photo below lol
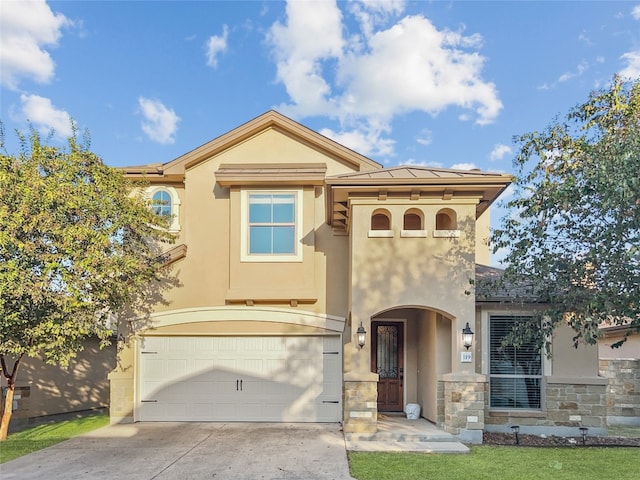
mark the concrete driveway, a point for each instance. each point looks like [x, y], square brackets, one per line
[163, 451]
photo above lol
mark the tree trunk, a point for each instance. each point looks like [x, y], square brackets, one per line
[6, 414]
[8, 399]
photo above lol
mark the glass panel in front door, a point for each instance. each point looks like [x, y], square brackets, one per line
[387, 353]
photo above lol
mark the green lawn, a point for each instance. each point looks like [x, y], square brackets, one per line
[36, 438]
[504, 463]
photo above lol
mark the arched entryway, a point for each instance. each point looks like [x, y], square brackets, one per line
[411, 348]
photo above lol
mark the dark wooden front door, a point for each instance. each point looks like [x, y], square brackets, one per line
[387, 361]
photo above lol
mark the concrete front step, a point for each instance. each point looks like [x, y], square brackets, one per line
[430, 437]
[405, 446]
[395, 433]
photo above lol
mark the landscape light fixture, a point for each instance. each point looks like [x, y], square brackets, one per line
[467, 336]
[516, 430]
[362, 334]
[583, 432]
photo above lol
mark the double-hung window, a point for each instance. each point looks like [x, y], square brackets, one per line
[272, 223]
[515, 377]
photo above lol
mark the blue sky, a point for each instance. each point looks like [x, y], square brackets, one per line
[429, 83]
[444, 84]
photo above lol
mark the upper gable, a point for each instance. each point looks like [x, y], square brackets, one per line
[274, 147]
[269, 138]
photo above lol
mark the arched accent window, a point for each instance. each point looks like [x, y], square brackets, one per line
[446, 219]
[165, 201]
[381, 224]
[413, 224]
[446, 224]
[161, 203]
[412, 220]
[380, 220]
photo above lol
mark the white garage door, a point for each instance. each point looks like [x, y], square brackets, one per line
[263, 379]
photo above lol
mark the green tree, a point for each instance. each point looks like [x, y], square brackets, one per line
[573, 236]
[78, 245]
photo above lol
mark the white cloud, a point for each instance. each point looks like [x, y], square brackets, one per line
[425, 138]
[216, 45]
[585, 39]
[160, 123]
[632, 70]
[632, 59]
[41, 113]
[313, 33]
[371, 13]
[423, 163]
[580, 69]
[464, 166]
[364, 140]
[26, 29]
[367, 77]
[499, 152]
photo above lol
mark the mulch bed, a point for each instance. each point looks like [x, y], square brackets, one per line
[491, 438]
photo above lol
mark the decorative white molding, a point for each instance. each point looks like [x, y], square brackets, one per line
[380, 234]
[232, 313]
[446, 233]
[413, 233]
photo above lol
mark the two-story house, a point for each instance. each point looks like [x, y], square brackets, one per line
[317, 286]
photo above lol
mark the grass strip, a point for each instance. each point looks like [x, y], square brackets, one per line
[505, 463]
[43, 436]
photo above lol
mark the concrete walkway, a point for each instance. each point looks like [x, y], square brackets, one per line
[184, 451]
[396, 433]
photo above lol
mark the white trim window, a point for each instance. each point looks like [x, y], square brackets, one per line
[161, 203]
[515, 373]
[165, 201]
[272, 225]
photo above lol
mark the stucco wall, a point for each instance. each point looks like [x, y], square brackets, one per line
[50, 389]
[429, 272]
[629, 349]
[569, 361]
[212, 273]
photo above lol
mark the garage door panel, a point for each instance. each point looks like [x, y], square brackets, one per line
[274, 379]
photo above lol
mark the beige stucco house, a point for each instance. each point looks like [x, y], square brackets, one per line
[287, 246]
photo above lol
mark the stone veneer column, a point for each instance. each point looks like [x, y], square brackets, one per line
[464, 405]
[360, 403]
[623, 391]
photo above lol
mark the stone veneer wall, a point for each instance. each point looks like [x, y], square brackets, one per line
[623, 392]
[440, 405]
[360, 406]
[567, 407]
[464, 407]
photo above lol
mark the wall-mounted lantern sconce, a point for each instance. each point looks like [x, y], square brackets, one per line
[467, 336]
[362, 334]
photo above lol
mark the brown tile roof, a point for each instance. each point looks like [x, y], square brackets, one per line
[490, 287]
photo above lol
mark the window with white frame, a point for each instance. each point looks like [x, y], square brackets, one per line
[161, 202]
[165, 201]
[515, 373]
[272, 226]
